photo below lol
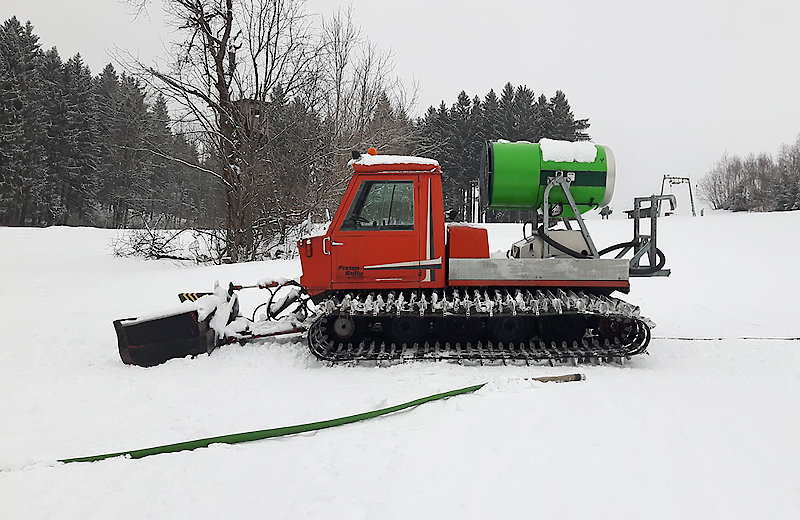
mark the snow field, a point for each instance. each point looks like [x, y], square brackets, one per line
[694, 430]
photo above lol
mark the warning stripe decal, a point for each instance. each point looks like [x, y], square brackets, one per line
[191, 296]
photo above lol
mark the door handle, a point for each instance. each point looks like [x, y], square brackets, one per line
[327, 240]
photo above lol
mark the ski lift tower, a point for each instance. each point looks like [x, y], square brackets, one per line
[679, 180]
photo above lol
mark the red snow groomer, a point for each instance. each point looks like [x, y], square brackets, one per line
[391, 281]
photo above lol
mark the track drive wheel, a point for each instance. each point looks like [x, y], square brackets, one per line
[343, 327]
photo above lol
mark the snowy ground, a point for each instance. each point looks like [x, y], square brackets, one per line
[695, 430]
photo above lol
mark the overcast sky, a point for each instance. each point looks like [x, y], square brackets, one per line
[670, 86]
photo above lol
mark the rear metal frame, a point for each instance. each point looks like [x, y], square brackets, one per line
[645, 244]
[642, 243]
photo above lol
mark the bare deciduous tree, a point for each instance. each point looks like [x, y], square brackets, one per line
[232, 56]
[363, 105]
[755, 183]
[279, 102]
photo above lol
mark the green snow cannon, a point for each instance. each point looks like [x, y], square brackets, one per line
[517, 174]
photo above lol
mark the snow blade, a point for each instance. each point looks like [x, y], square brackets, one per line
[150, 342]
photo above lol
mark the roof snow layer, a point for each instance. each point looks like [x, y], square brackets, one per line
[370, 160]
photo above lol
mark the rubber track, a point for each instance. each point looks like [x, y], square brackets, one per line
[496, 325]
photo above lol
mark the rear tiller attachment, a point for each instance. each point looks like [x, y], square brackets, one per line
[205, 321]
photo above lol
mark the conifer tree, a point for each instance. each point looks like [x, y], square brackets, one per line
[563, 120]
[507, 126]
[57, 145]
[459, 167]
[22, 132]
[107, 100]
[125, 158]
[163, 181]
[543, 114]
[78, 187]
[490, 124]
[528, 128]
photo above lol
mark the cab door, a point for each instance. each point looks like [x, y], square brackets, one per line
[377, 243]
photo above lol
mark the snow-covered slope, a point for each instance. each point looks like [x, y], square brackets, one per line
[695, 430]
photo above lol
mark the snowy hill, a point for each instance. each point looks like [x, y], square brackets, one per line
[697, 429]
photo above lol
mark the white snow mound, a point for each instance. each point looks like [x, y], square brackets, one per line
[567, 151]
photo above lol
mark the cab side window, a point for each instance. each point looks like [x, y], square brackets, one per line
[381, 205]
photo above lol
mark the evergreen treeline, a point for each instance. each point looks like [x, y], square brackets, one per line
[78, 149]
[456, 135]
[755, 183]
[82, 150]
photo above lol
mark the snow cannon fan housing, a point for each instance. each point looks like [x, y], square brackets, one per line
[517, 173]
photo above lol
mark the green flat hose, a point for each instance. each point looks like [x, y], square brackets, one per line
[256, 435]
